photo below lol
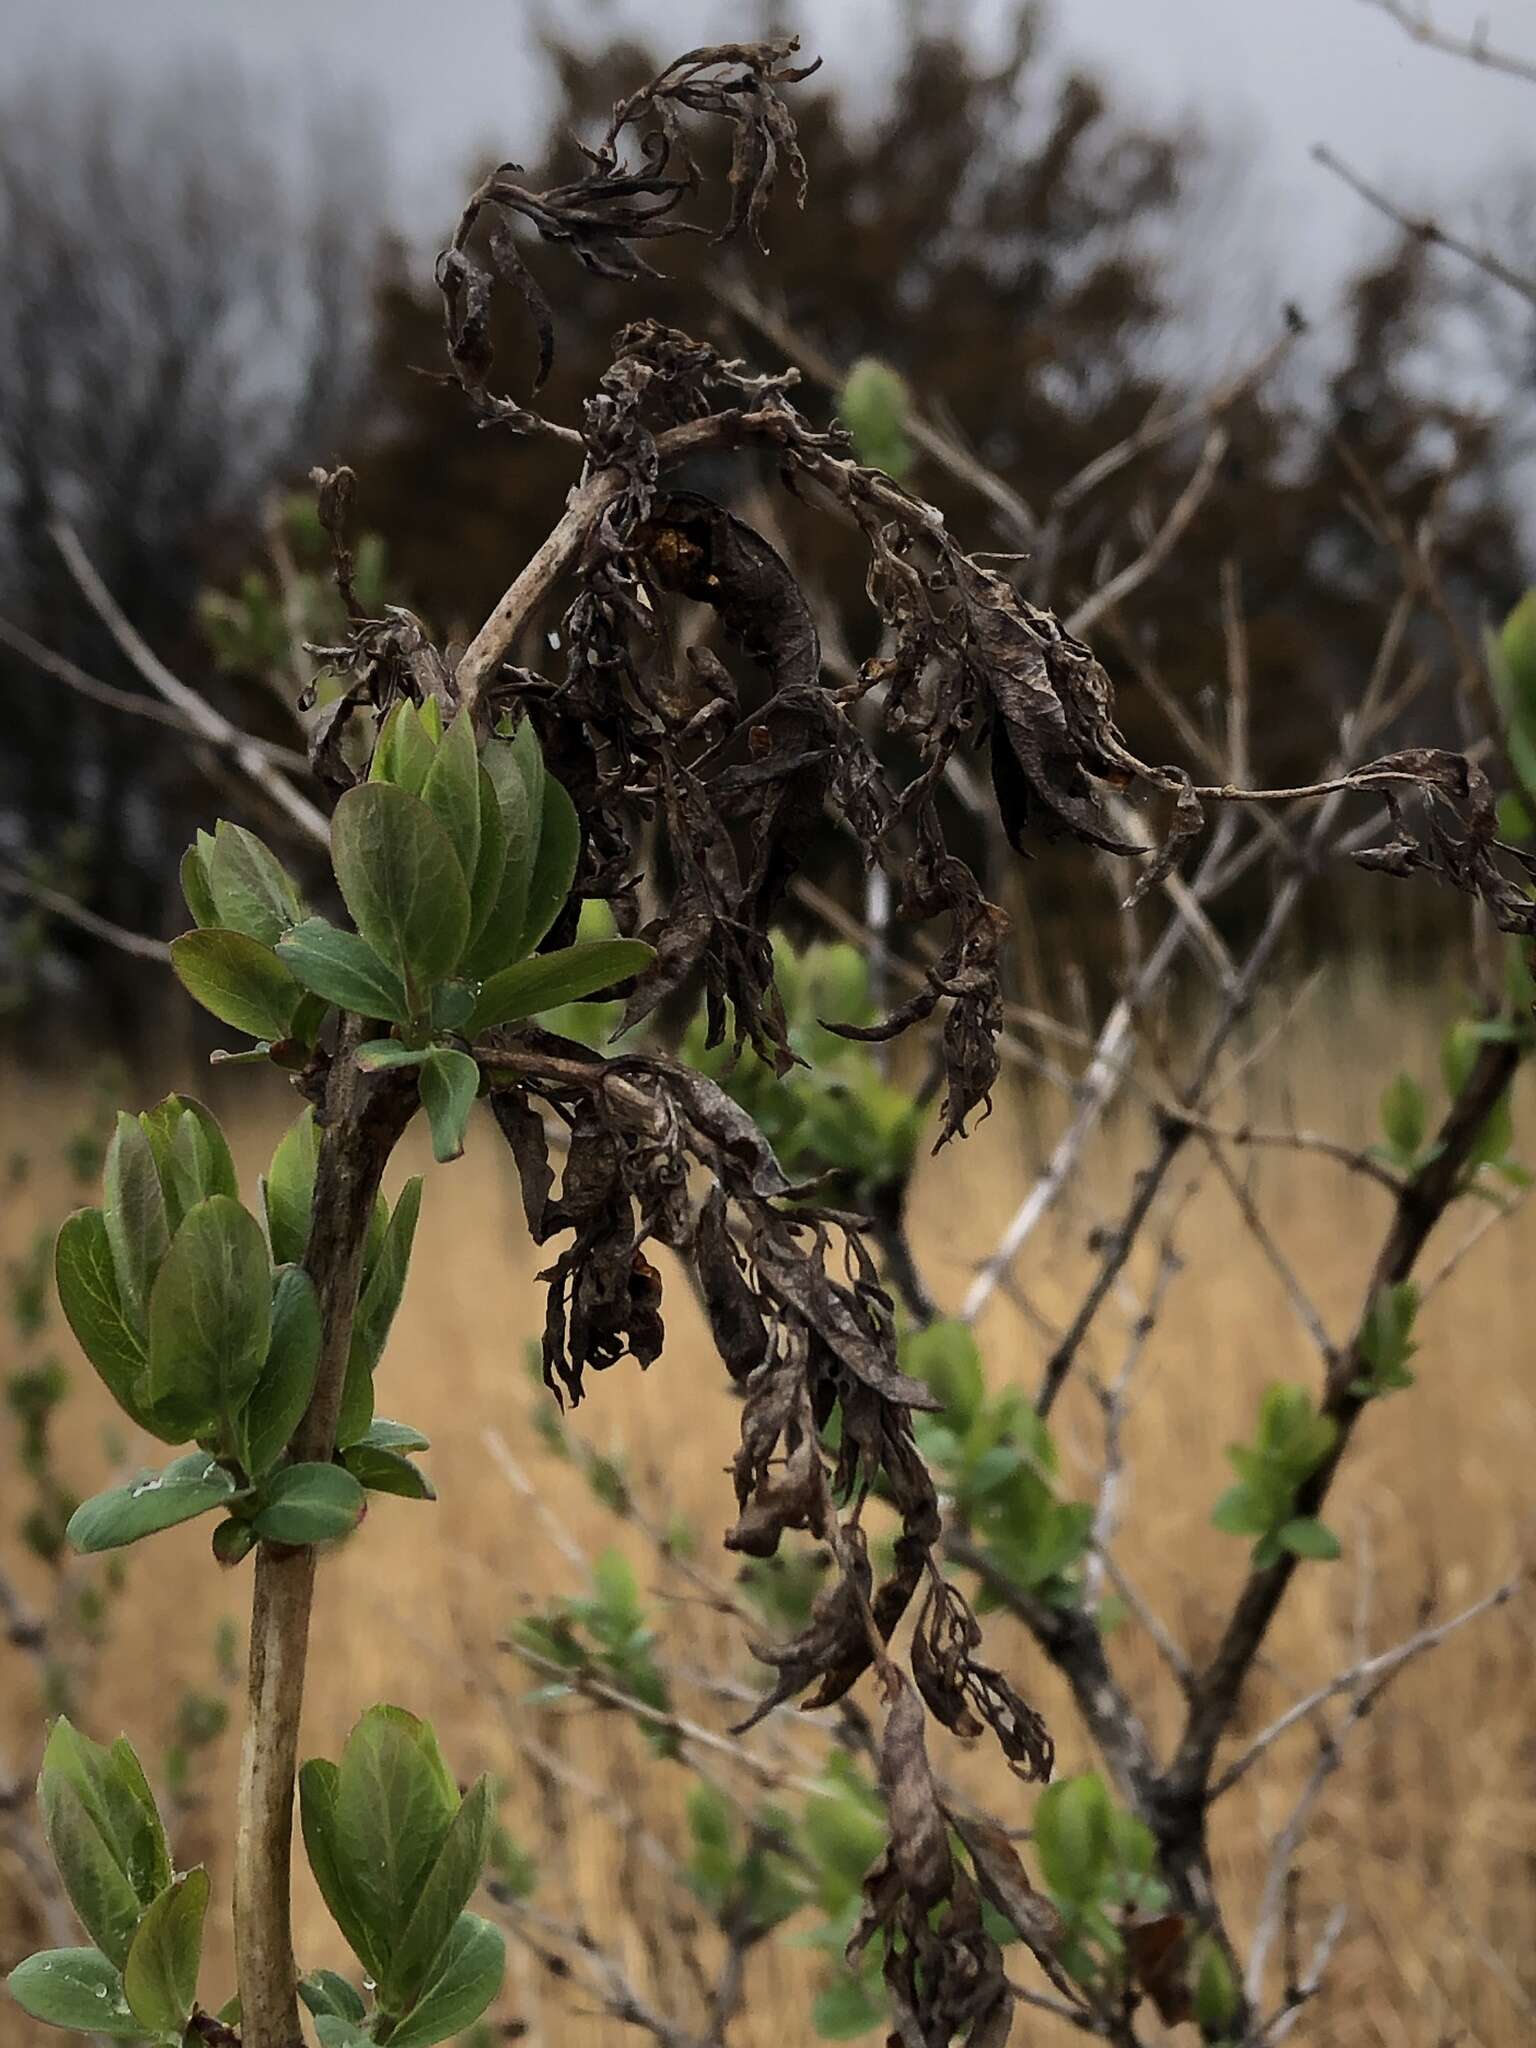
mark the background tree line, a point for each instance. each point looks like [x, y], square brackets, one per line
[177, 344]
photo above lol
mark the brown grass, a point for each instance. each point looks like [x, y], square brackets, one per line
[1429, 1831]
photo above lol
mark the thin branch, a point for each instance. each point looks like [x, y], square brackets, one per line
[138, 944]
[1472, 49]
[1365, 1673]
[1421, 1202]
[1163, 542]
[210, 724]
[1426, 229]
[136, 705]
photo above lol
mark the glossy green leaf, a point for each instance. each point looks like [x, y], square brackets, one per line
[86, 1276]
[241, 981]
[281, 1395]
[188, 1487]
[160, 1975]
[308, 1504]
[450, 1082]
[529, 986]
[466, 1977]
[376, 1312]
[76, 1988]
[210, 1316]
[319, 1787]
[400, 879]
[196, 889]
[252, 891]
[451, 793]
[134, 1205]
[445, 1891]
[344, 969]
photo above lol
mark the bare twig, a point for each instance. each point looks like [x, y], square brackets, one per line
[136, 705]
[210, 724]
[1427, 229]
[1365, 1672]
[1472, 49]
[138, 944]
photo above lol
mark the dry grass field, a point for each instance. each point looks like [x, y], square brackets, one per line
[1428, 1831]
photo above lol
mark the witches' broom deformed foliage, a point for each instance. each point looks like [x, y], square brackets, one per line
[478, 807]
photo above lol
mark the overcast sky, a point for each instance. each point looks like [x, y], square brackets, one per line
[1271, 77]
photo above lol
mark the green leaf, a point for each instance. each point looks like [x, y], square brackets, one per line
[404, 750]
[1239, 1512]
[873, 405]
[401, 880]
[387, 1472]
[251, 891]
[196, 1162]
[332, 2031]
[1216, 1993]
[281, 1395]
[1306, 1537]
[945, 1356]
[529, 986]
[239, 980]
[376, 1312]
[100, 1823]
[554, 862]
[466, 1977]
[395, 1804]
[233, 1541]
[501, 899]
[384, 1435]
[1073, 1836]
[323, 1991]
[86, 1275]
[76, 1988]
[196, 888]
[846, 2009]
[491, 859]
[319, 1787]
[308, 1504]
[134, 1206]
[160, 1975]
[93, 1876]
[1404, 1116]
[210, 1316]
[451, 793]
[344, 969]
[450, 1082]
[288, 1192]
[445, 1892]
[188, 1487]
[378, 1054]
